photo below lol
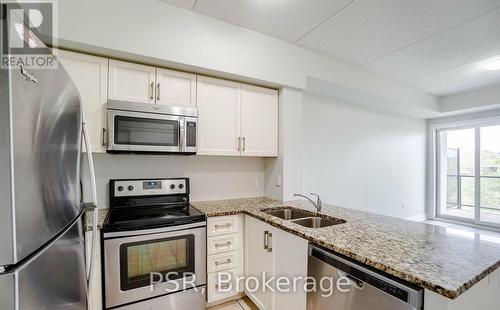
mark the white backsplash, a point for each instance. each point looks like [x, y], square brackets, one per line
[212, 177]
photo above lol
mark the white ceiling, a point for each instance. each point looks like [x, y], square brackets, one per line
[435, 45]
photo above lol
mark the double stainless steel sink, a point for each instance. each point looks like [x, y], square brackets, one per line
[304, 218]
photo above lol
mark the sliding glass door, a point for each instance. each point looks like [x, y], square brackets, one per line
[468, 174]
[489, 180]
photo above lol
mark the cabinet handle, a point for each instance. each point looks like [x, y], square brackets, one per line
[266, 240]
[227, 261]
[104, 140]
[228, 225]
[223, 244]
[152, 90]
[270, 242]
[158, 92]
[223, 286]
[239, 144]
[244, 144]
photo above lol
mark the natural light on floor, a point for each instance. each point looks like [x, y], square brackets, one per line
[467, 192]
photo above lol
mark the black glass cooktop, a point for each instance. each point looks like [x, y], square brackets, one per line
[146, 217]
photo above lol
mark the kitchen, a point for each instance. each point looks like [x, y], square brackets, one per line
[208, 119]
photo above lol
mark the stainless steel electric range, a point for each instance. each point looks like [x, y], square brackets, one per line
[154, 246]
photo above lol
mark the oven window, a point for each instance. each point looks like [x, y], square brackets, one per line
[139, 259]
[146, 131]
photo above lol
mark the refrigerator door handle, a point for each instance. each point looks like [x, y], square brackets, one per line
[93, 191]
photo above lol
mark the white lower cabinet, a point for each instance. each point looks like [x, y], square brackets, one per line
[258, 260]
[216, 292]
[225, 256]
[278, 254]
[95, 293]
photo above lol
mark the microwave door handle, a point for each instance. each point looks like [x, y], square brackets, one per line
[182, 133]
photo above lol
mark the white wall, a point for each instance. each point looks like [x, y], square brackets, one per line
[212, 177]
[364, 159]
[288, 166]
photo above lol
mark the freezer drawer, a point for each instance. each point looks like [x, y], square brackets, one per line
[365, 289]
[53, 280]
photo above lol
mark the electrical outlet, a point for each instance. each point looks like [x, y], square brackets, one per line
[255, 183]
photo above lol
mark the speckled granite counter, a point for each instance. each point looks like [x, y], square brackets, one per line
[89, 217]
[426, 255]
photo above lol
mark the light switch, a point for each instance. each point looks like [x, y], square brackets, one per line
[278, 180]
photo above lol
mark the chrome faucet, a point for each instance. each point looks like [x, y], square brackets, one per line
[318, 204]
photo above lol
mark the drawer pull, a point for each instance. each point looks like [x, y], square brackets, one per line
[270, 242]
[223, 286]
[226, 262]
[223, 244]
[228, 225]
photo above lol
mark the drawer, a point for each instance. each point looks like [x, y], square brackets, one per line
[222, 225]
[223, 243]
[222, 261]
[215, 292]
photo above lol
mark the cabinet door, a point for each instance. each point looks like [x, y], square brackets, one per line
[90, 75]
[259, 121]
[257, 260]
[290, 260]
[131, 82]
[175, 88]
[218, 116]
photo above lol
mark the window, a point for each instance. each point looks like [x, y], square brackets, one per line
[468, 174]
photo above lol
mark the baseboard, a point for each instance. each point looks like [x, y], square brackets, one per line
[417, 218]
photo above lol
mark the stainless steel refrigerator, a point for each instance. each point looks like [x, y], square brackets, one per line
[42, 253]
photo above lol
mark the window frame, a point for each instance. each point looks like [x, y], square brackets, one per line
[434, 170]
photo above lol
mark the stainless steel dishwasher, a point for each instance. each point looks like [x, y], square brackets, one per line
[361, 288]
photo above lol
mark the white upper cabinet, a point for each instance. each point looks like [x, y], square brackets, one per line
[219, 104]
[90, 75]
[236, 119]
[175, 88]
[131, 82]
[259, 121]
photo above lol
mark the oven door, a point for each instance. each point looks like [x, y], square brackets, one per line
[134, 260]
[144, 132]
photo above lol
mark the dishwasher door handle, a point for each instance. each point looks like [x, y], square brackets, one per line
[359, 284]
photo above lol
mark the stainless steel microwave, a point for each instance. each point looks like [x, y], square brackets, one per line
[151, 128]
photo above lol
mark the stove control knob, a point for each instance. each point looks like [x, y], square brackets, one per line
[120, 188]
[172, 186]
[130, 188]
[181, 186]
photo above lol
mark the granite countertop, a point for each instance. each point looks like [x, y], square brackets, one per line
[89, 217]
[433, 257]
